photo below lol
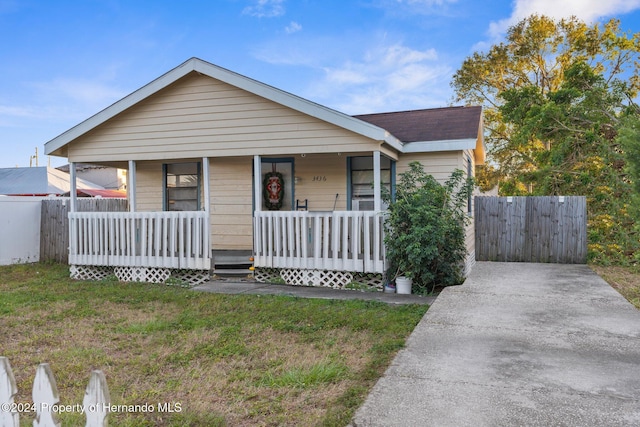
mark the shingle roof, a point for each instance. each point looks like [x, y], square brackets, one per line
[437, 124]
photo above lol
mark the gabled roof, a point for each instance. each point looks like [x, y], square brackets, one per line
[39, 181]
[268, 92]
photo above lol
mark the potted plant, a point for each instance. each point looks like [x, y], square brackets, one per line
[424, 229]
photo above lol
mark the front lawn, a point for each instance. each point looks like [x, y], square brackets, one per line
[227, 360]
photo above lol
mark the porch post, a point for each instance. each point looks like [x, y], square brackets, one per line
[377, 195]
[257, 184]
[131, 185]
[205, 178]
[72, 189]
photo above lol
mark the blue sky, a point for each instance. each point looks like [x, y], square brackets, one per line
[63, 61]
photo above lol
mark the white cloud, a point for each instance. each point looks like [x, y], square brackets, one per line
[15, 111]
[395, 55]
[293, 27]
[387, 78]
[86, 92]
[265, 8]
[586, 10]
[60, 100]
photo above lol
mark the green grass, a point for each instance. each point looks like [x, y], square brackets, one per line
[308, 376]
[624, 279]
[228, 360]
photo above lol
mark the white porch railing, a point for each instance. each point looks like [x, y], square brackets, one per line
[341, 241]
[140, 239]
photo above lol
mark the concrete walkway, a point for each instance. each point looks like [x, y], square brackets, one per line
[234, 287]
[516, 345]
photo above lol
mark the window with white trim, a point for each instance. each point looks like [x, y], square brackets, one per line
[182, 186]
[362, 181]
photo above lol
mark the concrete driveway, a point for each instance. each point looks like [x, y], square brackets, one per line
[516, 345]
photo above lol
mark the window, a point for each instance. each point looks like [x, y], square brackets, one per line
[182, 186]
[361, 180]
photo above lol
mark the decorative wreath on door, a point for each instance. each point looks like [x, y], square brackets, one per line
[273, 189]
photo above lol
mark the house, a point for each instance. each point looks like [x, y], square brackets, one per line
[218, 162]
[105, 176]
[39, 181]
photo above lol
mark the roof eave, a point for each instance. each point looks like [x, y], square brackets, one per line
[442, 145]
[393, 142]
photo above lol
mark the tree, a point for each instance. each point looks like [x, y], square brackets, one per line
[629, 138]
[573, 138]
[557, 96]
[536, 54]
[425, 228]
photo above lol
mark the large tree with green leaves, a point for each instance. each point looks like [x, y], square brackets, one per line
[574, 134]
[629, 139]
[537, 52]
[558, 97]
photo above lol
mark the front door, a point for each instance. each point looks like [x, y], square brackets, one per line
[277, 186]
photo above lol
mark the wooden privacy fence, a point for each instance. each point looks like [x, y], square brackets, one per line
[531, 229]
[54, 223]
[45, 406]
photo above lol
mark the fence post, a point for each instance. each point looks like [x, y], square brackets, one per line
[96, 400]
[8, 390]
[45, 396]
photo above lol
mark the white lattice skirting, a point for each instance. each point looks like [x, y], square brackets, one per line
[326, 278]
[139, 274]
[90, 272]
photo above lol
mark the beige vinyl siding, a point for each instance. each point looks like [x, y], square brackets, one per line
[438, 164]
[198, 116]
[231, 185]
[330, 173]
[149, 191]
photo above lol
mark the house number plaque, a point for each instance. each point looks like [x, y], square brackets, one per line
[319, 178]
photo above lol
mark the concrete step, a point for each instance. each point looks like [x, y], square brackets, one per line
[229, 257]
[231, 272]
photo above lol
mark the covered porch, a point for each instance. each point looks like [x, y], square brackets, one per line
[139, 246]
[318, 244]
[156, 245]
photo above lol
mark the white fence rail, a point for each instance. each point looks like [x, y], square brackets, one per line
[341, 240]
[45, 404]
[140, 239]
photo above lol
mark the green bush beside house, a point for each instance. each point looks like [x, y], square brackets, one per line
[425, 228]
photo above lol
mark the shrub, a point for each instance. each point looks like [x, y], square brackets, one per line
[425, 228]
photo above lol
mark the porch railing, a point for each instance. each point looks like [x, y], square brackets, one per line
[342, 240]
[140, 239]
